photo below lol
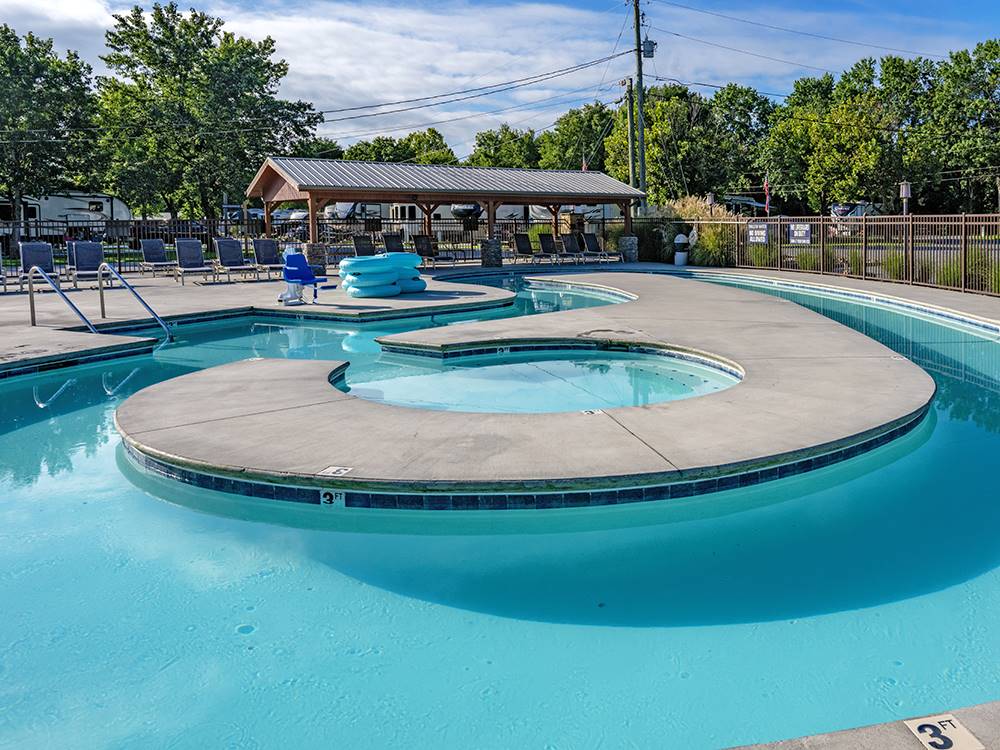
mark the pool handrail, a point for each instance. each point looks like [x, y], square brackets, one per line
[130, 288]
[62, 295]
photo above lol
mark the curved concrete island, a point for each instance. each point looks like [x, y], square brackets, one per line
[813, 392]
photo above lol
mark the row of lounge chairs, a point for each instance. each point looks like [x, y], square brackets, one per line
[570, 248]
[84, 260]
[229, 259]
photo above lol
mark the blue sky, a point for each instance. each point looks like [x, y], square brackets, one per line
[345, 53]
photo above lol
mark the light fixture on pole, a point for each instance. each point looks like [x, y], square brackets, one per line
[710, 200]
[905, 193]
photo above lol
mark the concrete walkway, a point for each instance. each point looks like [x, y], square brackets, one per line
[811, 386]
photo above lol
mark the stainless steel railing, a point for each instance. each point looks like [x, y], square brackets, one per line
[62, 295]
[100, 288]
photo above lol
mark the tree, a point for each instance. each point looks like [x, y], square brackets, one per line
[576, 139]
[382, 148]
[505, 147]
[45, 112]
[420, 147]
[191, 110]
[318, 147]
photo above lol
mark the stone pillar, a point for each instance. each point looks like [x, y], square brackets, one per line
[316, 256]
[491, 252]
[628, 246]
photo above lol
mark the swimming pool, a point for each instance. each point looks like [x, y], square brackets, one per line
[857, 593]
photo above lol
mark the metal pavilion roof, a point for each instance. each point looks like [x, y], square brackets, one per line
[329, 175]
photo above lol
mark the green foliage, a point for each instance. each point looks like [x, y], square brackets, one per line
[45, 107]
[855, 262]
[807, 260]
[420, 147]
[949, 274]
[318, 147]
[505, 147]
[923, 272]
[982, 271]
[656, 240]
[694, 145]
[176, 108]
[763, 256]
[894, 265]
[715, 246]
[577, 137]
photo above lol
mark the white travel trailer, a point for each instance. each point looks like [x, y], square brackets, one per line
[72, 206]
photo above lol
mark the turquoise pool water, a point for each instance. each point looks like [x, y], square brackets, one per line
[555, 381]
[863, 592]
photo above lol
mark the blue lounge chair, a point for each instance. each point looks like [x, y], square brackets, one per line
[36, 254]
[85, 258]
[191, 259]
[154, 257]
[230, 259]
[265, 253]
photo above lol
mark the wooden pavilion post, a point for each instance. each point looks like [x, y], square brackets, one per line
[554, 210]
[491, 219]
[313, 207]
[267, 218]
[428, 210]
[627, 213]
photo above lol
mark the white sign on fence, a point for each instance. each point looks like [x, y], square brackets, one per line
[757, 233]
[800, 234]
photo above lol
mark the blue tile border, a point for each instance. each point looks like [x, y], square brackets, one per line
[445, 501]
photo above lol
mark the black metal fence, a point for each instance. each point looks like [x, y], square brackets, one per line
[959, 252]
[455, 237]
[954, 252]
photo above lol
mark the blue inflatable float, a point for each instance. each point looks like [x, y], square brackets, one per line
[384, 275]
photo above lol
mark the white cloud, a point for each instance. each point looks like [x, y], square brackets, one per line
[344, 54]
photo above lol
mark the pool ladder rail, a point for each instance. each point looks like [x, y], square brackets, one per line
[100, 288]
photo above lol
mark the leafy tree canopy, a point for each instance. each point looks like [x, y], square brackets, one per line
[576, 139]
[191, 110]
[505, 147]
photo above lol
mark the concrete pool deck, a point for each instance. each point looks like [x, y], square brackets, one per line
[811, 388]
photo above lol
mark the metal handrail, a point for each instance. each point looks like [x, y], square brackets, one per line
[100, 288]
[55, 287]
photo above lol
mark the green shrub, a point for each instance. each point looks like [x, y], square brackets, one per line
[855, 262]
[763, 256]
[923, 272]
[806, 260]
[656, 239]
[894, 265]
[982, 271]
[949, 274]
[715, 247]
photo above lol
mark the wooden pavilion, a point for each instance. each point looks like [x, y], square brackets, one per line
[322, 181]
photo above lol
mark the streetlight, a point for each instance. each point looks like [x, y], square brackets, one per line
[904, 193]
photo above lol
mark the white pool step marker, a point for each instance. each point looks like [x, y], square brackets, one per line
[943, 732]
[336, 471]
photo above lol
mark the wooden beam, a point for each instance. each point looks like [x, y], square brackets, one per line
[428, 210]
[627, 213]
[554, 210]
[267, 218]
[491, 218]
[313, 207]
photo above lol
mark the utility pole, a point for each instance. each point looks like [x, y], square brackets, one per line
[629, 95]
[640, 100]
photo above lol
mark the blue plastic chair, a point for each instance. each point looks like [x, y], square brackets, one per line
[298, 271]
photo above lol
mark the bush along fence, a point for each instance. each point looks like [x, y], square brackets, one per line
[954, 252]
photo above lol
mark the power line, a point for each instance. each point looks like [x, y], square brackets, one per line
[712, 85]
[763, 25]
[744, 51]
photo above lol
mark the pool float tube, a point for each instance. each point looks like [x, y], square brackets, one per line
[412, 286]
[385, 290]
[366, 279]
[404, 260]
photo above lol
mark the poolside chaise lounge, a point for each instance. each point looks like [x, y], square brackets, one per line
[594, 249]
[191, 259]
[265, 253]
[523, 248]
[230, 260]
[154, 257]
[549, 248]
[363, 245]
[85, 258]
[424, 245]
[36, 254]
[571, 248]
[393, 242]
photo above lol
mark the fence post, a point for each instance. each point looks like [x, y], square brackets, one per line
[908, 246]
[964, 242]
[822, 244]
[864, 246]
[781, 248]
